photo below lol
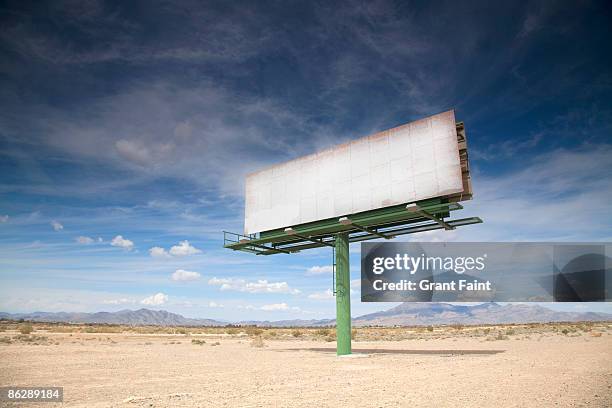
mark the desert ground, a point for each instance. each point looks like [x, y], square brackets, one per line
[533, 365]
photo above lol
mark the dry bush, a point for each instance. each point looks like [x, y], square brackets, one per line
[257, 342]
[5, 340]
[501, 336]
[231, 331]
[198, 342]
[269, 334]
[430, 328]
[253, 331]
[322, 332]
[297, 333]
[26, 328]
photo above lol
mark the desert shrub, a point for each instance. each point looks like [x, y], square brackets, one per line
[257, 342]
[353, 334]
[429, 328]
[331, 336]
[26, 328]
[564, 331]
[457, 326]
[297, 333]
[501, 336]
[322, 332]
[216, 343]
[232, 330]
[199, 342]
[268, 334]
[5, 340]
[254, 331]
[510, 332]
[487, 330]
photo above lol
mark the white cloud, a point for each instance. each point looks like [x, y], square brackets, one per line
[84, 240]
[325, 295]
[4, 218]
[184, 249]
[319, 270]
[215, 304]
[260, 286]
[121, 242]
[133, 151]
[155, 300]
[121, 301]
[275, 307]
[158, 252]
[183, 275]
[143, 153]
[57, 226]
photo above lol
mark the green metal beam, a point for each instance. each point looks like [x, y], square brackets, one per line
[343, 296]
[315, 240]
[367, 219]
[389, 232]
[414, 208]
[371, 231]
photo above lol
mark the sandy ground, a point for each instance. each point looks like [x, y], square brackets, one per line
[124, 370]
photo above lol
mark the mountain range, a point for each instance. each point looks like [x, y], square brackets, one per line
[405, 314]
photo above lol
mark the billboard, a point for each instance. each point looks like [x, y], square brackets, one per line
[412, 162]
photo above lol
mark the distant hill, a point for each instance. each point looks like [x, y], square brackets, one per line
[405, 314]
[140, 317]
[416, 314]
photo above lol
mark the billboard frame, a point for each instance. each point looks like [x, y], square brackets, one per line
[338, 232]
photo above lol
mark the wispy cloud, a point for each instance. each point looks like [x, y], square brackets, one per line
[181, 275]
[158, 252]
[259, 286]
[121, 301]
[325, 295]
[84, 240]
[278, 307]
[319, 270]
[56, 226]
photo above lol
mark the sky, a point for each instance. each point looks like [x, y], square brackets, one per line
[127, 129]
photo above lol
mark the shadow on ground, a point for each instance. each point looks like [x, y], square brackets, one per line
[396, 351]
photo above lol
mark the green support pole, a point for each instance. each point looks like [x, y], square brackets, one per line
[343, 296]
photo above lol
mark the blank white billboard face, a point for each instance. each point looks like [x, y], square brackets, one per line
[408, 163]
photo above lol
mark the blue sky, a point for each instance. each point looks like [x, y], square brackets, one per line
[127, 126]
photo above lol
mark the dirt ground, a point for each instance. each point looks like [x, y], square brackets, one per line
[157, 370]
